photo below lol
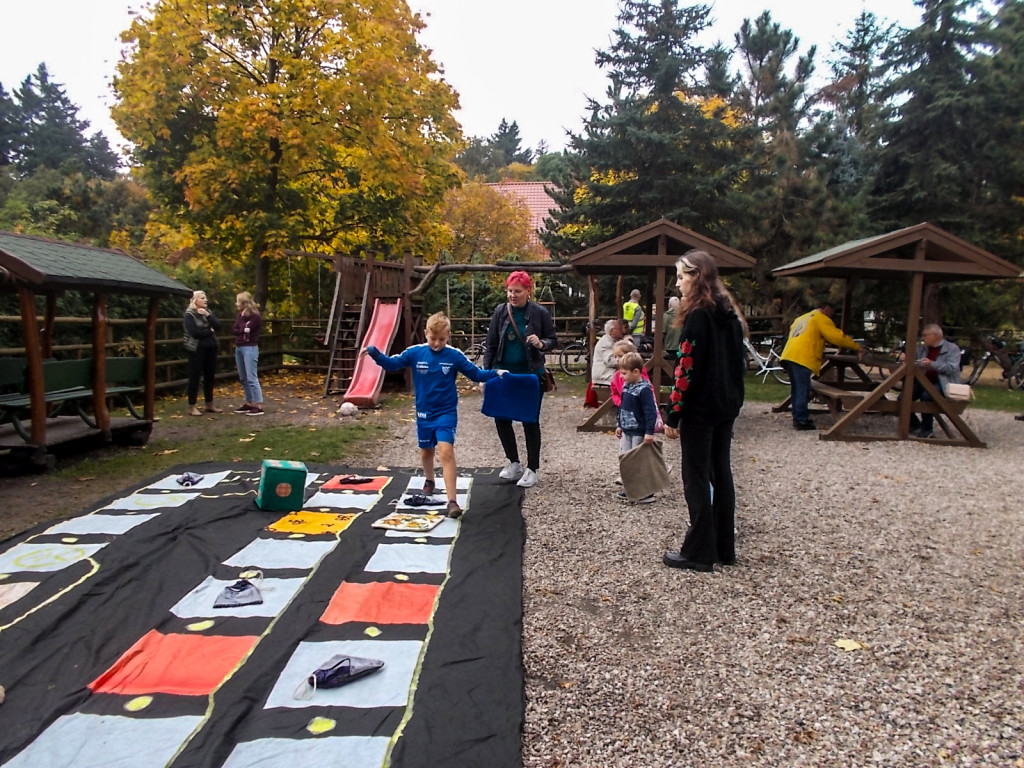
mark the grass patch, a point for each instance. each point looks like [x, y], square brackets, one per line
[236, 444]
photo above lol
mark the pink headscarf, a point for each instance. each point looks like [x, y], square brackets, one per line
[520, 277]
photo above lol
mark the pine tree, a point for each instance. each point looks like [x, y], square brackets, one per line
[659, 147]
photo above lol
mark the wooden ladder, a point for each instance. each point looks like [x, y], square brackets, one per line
[343, 334]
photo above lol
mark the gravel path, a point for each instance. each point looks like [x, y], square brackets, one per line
[913, 553]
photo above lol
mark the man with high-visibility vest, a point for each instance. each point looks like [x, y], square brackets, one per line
[633, 314]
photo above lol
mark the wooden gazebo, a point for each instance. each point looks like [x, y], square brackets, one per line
[918, 255]
[651, 252]
[33, 267]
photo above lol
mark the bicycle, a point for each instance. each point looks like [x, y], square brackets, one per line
[474, 352]
[770, 363]
[1012, 363]
[574, 359]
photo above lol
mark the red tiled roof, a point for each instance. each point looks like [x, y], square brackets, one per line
[533, 196]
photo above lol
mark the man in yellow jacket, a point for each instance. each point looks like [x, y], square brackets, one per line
[802, 356]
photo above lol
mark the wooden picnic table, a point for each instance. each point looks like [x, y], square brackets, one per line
[849, 391]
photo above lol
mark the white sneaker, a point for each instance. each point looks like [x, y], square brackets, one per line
[513, 471]
[528, 480]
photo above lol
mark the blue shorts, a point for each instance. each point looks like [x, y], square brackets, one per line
[430, 432]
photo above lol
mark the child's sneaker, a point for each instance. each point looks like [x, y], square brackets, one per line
[621, 495]
[428, 487]
[454, 510]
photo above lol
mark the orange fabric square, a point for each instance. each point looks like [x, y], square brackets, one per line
[312, 523]
[376, 485]
[187, 665]
[381, 603]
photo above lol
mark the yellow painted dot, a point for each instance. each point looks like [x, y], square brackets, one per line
[372, 632]
[420, 540]
[199, 626]
[250, 574]
[4, 576]
[69, 539]
[401, 577]
[138, 703]
[320, 725]
[297, 536]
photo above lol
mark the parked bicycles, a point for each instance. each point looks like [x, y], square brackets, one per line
[768, 363]
[475, 352]
[1012, 362]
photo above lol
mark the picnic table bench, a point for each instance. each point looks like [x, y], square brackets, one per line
[67, 381]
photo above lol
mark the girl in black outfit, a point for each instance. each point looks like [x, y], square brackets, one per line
[520, 349]
[201, 346]
[706, 397]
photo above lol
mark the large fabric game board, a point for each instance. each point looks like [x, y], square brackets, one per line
[113, 654]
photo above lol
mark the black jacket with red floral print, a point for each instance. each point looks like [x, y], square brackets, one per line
[708, 385]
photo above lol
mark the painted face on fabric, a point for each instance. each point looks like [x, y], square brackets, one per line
[517, 295]
[437, 340]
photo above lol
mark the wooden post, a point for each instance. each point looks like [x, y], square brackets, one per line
[34, 366]
[51, 314]
[149, 367]
[99, 367]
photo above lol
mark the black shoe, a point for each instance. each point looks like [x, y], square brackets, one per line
[1019, 417]
[676, 560]
[923, 433]
[803, 425]
[731, 561]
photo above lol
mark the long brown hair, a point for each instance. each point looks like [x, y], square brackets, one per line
[707, 291]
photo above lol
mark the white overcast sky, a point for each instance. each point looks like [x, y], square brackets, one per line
[531, 61]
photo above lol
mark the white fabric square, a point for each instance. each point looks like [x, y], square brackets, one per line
[277, 594]
[387, 688]
[324, 751]
[106, 741]
[461, 483]
[152, 501]
[88, 524]
[45, 557]
[11, 592]
[410, 558]
[170, 483]
[281, 553]
[341, 500]
[446, 529]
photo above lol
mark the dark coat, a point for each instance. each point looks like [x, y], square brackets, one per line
[538, 321]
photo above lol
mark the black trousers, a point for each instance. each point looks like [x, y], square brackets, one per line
[507, 436]
[201, 363]
[707, 463]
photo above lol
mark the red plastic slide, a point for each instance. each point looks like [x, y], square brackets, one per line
[368, 377]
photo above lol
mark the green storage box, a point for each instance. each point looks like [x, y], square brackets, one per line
[282, 485]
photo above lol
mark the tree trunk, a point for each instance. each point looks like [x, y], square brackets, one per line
[262, 282]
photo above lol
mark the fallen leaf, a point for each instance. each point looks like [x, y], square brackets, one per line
[314, 453]
[849, 645]
[246, 439]
[166, 452]
[382, 468]
[566, 684]
[85, 479]
[268, 448]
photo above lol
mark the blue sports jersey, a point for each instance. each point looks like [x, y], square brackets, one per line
[433, 376]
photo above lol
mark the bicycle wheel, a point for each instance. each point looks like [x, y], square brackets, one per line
[475, 352]
[573, 359]
[1016, 377]
[976, 368]
[778, 371]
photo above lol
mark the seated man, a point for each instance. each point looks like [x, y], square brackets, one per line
[605, 363]
[940, 360]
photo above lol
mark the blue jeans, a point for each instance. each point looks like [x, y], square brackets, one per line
[247, 360]
[799, 390]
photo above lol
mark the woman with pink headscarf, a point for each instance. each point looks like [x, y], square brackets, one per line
[520, 335]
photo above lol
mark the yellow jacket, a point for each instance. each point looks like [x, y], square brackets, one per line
[807, 337]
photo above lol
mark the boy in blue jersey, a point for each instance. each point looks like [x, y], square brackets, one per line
[435, 366]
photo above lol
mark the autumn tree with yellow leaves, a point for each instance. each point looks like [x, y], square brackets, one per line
[267, 125]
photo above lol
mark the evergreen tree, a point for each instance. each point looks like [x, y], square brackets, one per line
[935, 129]
[507, 145]
[659, 147]
[51, 135]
